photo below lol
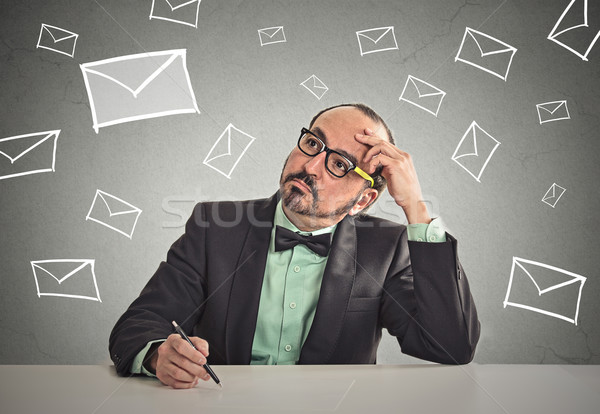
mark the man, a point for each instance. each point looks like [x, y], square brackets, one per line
[240, 281]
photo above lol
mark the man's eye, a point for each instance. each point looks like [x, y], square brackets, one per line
[313, 143]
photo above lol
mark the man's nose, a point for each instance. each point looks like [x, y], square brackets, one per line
[316, 165]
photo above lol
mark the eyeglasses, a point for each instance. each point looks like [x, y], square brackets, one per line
[335, 163]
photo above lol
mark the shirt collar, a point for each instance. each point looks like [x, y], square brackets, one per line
[281, 219]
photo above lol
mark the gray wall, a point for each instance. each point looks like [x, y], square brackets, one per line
[157, 164]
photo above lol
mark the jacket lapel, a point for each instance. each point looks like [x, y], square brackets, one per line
[247, 282]
[336, 288]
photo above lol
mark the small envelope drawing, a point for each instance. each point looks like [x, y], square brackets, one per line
[315, 86]
[486, 53]
[57, 40]
[553, 194]
[422, 95]
[270, 35]
[577, 38]
[544, 289]
[177, 11]
[70, 278]
[141, 86]
[228, 150]
[552, 111]
[475, 150]
[28, 154]
[114, 213]
[378, 39]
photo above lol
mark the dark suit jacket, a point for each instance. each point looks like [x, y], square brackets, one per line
[374, 278]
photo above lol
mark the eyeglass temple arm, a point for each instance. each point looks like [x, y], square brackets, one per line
[365, 176]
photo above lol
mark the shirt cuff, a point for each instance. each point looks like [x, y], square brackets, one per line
[434, 232]
[137, 366]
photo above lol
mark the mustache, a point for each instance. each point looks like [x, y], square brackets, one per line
[302, 176]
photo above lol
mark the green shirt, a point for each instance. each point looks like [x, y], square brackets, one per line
[290, 293]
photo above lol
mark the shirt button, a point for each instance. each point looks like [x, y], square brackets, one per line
[293, 305]
[288, 348]
[432, 238]
[419, 239]
[296, 269]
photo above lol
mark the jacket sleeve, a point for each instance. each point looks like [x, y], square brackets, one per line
[176, 292]
[428, 304]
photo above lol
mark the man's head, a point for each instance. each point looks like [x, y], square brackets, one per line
[312, 195]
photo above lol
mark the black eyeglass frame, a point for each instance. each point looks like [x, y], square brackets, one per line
[329, 151]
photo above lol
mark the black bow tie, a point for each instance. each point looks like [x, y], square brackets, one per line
[286, 239]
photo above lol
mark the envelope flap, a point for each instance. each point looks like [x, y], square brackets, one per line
[131, 71]
[57, 33]
[487, 44]
[317, 83]
[60, 270]
[375, 35]
[115, 205]
[271, 31]
[574, 16]
[14, 148]
[176, 4]
[423, 88]
[546, 277]
[552, 106]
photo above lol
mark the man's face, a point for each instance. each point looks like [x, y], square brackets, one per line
[309, 192]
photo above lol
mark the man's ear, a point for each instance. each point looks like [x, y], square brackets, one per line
[368, 197]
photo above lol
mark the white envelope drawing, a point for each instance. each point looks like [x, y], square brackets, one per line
[573, 30]
[270, 35]
[70, 278]
[553, 194]
[545, 289]
[422, 95]
[315, 86]
[177, 11]
[57, 40]
[228, 150]
[475, 150]
[552, 111]
[378, 39]
[486, 53]
[114, 213]
[141, 86]
[28, 154]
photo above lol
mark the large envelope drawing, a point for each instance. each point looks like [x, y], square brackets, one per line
[378, 39]
[28, 154]
[270, 35]
[574, 31]
[545, 289]
[553, 194]
[315, 86]
[552, 111]
[475, 150]
[486, 53]
[58, 40]
[228, 150]
[66, 278]
[141, 86]
[422, 95]
[177, 11]
[114, 213]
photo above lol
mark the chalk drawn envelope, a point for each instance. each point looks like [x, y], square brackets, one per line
[475, 150]
[486, 53]
[270, 35]
[552, 111]
[422, 95]
[141, 86]
[57, 40]
[315, 86]
[28, 154]
[375, 40]
[575, 31]
[228, 150]
[114, 213]
[545, 289]
[66, 278]
[553, 194]
[177, 11]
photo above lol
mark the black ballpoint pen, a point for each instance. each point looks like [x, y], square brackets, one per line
[205, 366]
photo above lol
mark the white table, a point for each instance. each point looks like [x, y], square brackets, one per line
[481, 389]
